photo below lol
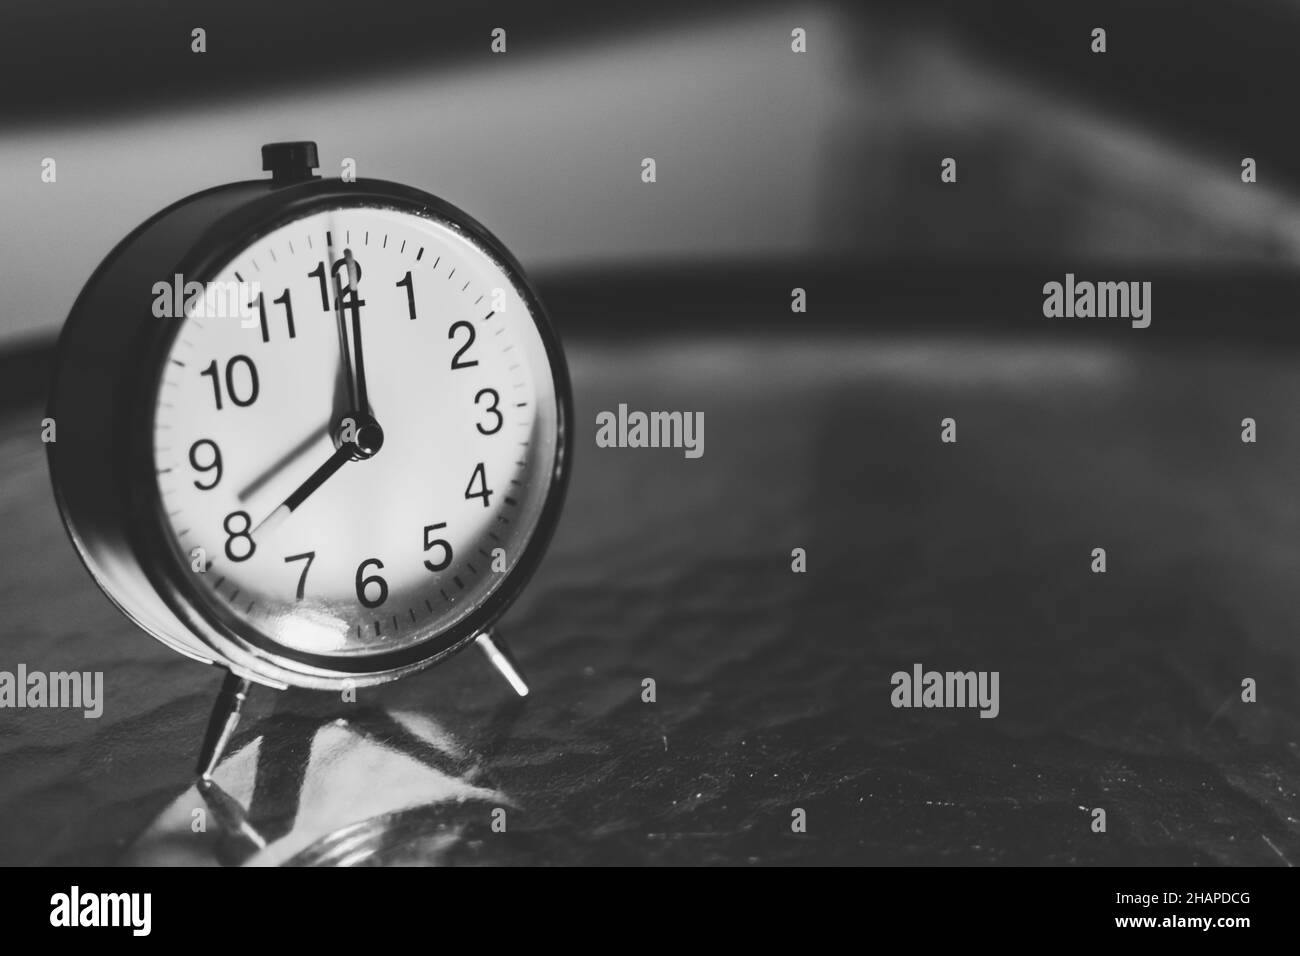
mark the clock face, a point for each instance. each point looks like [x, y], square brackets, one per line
[359, 461]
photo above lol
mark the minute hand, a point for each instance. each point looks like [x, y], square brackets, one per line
[353, 358]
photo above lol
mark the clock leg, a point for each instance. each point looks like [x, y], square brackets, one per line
[222, 723]
[497, 652]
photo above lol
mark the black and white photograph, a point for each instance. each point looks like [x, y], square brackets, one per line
[856, 435]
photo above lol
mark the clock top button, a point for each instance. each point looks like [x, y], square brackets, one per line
[290, 162]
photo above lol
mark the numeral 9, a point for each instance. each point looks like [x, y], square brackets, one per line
[213, 465]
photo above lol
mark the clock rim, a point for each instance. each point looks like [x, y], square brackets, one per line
[232, 637]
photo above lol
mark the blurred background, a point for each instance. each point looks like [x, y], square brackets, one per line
[775, 170]
[768, 160]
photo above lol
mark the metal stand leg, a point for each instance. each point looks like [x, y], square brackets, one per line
[497, 652]
[222, 723]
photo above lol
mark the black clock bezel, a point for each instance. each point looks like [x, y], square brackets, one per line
[212, 250]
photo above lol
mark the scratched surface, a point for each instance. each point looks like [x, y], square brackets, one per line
[1118, 691]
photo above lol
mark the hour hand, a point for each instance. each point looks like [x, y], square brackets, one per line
[359, 438]
[305, 490]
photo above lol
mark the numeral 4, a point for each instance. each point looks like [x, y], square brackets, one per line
[484, 492]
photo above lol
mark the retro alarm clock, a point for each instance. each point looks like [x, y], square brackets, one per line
[344, 479]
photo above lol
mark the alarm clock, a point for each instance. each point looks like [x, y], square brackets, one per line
[314, 432]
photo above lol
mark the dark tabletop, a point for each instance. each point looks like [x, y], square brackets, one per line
[1119, 691]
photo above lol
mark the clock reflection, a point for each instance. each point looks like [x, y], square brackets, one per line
[304, 788]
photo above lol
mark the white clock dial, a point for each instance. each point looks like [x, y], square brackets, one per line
[388, 550]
